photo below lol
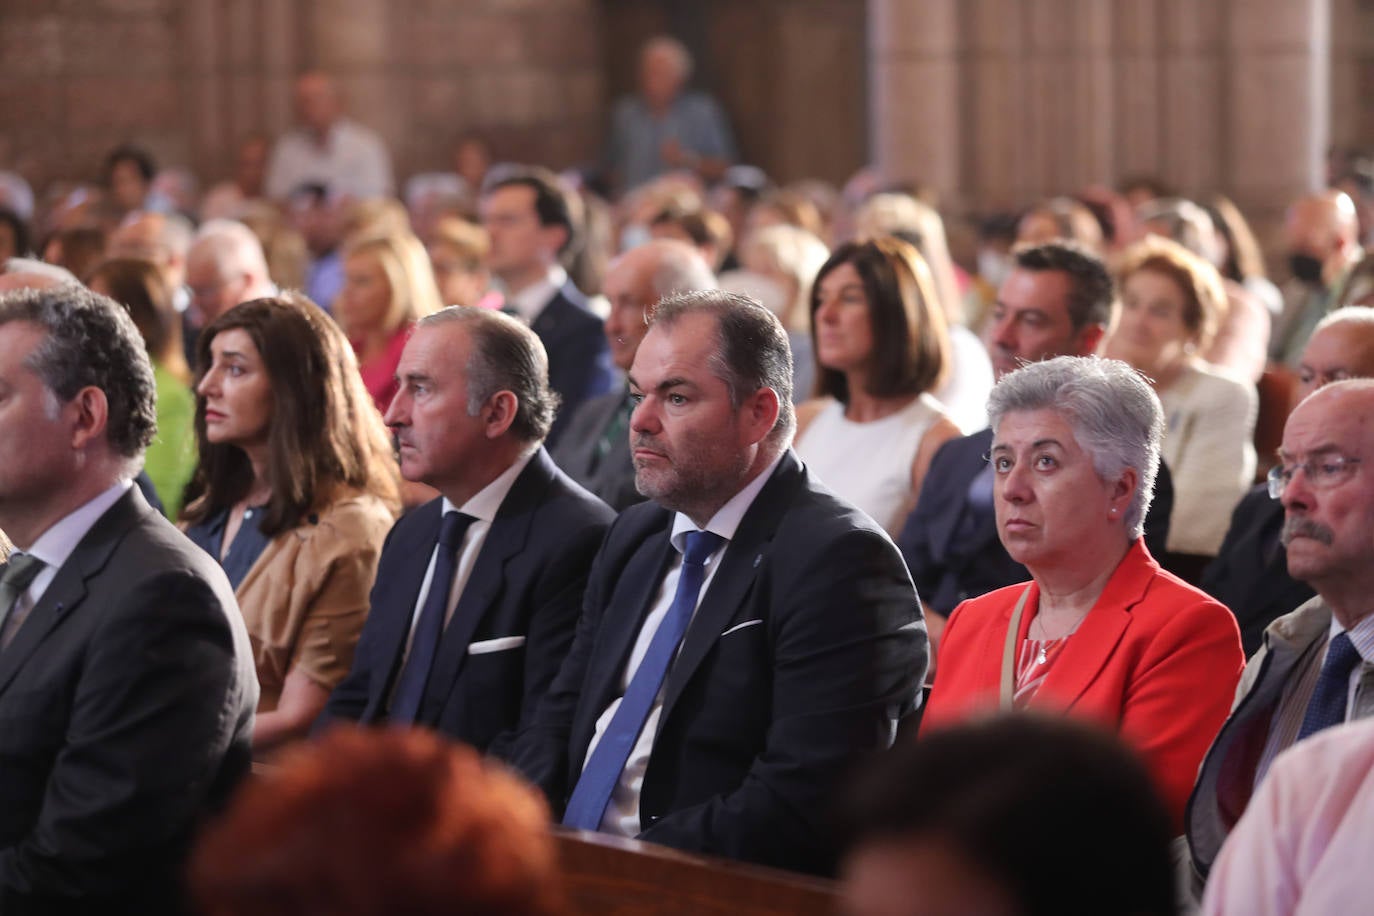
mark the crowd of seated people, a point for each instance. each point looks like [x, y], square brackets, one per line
[859, 485]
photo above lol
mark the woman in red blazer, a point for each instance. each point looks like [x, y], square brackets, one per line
[1101, 632]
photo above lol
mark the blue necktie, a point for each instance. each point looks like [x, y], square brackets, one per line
[1327, 706]
[607, 762]
[410, 688]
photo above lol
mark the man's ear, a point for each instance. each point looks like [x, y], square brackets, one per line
[499, 413]
[759, 414]
[91, 412]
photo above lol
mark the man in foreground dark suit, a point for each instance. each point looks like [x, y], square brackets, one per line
[796, 633]
[1057, 301]
[126, 682]
[477, 592]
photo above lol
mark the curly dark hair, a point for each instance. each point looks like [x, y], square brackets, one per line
[91, 342]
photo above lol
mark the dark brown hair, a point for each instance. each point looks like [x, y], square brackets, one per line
[364, 823]
[325, 432]
[910, 339]
[139, 287]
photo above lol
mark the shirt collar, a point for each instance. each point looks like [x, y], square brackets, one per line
[727, 519]
[484, 504]
[1361, 635]
[530, 301]
[56, 544]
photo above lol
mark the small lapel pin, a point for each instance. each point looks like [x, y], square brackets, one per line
[757, 560]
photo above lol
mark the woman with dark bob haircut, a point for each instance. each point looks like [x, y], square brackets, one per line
[881, 347]
[366, 823]
[298, 489]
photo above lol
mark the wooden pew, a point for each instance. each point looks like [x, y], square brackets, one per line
[611, 876]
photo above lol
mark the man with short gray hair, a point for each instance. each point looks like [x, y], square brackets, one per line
[126, 682]
[477, 592]
[225, 266]
[746, 636]
[595, 447]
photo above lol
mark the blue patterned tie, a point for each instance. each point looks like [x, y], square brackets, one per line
[410, 688]
[594, 788]
[1327, 706]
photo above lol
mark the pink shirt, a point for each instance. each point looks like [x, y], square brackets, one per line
[1303, 845]
[379, 375]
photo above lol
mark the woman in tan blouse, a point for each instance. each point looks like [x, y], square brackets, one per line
[298, 489]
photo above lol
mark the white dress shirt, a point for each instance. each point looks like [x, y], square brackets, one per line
[54, 546]
[622, 812]
[483, 507]
[533, 299]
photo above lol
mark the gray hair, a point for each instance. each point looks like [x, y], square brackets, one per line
[1115, 415]
[1362, 315]
[233, 248]
[506, 356]
[752, 350]
[90, 341]
[679, 268]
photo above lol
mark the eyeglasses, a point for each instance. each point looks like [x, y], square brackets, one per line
[1322, 473]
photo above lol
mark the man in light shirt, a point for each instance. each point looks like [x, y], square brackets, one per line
[327, 148]
[477, 592]
[745, 636]
[126, 681]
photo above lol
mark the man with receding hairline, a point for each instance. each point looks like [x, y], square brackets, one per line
[1315, 667]
[746, 636]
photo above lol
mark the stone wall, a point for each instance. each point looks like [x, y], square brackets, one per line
[191, 78]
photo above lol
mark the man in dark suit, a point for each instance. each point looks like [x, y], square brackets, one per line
[1057, 301]
[126, 682]
[745, 636]
[595, 448]
[1250, 573]
[477, 592]
[530, 220]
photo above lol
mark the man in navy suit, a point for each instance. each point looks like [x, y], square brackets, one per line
[746, 636]
[595, 449]
[477, 592]
[529, 218]
[1057, 301]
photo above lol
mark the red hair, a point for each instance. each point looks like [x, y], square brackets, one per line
[370, 822]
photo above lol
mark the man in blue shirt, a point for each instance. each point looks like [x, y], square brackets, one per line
[664, 127]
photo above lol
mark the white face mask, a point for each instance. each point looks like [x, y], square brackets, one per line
[993, 267]
[633, 235]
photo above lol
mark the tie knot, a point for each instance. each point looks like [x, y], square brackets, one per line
[20, 570]
[454, 526]
[700, 545]
[1341, 655]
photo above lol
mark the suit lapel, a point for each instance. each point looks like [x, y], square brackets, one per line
[1087, 652]
[509, 531]
[68, 589]
[739, 566]
[947, 524]
[626, 609]
[414, 545]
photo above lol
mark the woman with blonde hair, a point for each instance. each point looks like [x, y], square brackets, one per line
[1172, 303]
[388, 286]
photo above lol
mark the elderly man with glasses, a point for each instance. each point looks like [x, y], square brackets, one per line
[1315, 668]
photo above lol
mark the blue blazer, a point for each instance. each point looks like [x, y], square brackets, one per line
[580, 364]
[527, 582]
[805, 650]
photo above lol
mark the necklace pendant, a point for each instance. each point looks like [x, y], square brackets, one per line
[1040, 658]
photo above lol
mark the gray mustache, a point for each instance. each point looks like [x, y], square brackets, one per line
[1306, 528]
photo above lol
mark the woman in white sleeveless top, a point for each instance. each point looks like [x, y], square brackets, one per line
[881, 347]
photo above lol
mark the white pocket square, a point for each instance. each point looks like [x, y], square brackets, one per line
[500, 644]
[743, 626]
